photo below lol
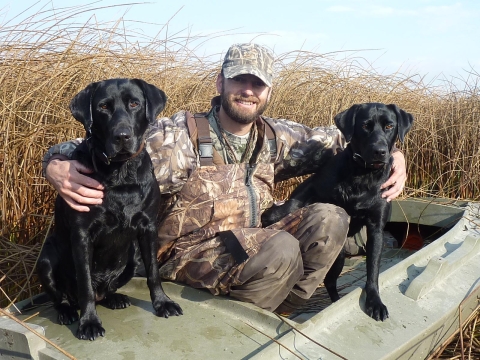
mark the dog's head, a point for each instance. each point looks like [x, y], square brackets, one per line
[372, 129]
[116, 114]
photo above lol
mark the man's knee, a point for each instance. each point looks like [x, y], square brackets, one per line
[268, 277]
[331, 214]
[333, 219]
[283, 252]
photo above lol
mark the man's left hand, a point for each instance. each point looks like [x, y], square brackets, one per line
[398, 176]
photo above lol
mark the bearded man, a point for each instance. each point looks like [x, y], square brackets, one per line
[216, 172]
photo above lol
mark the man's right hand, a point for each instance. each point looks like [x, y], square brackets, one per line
[76, 189]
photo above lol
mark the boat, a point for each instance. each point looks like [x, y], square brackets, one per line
[429, 293]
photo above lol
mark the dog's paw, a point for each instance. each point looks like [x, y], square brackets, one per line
[67, 314]
[376, 310]
[90, 329]
[268, 217]
[116, 301]
[168, 308]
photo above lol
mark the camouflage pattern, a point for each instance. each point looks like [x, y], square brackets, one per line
[240, 147]
[249, 59]
[239, 144]
[212, 199]
[65, 149]
[300, 149]
[294, 261]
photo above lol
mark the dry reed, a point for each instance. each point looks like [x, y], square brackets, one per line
[47, 58]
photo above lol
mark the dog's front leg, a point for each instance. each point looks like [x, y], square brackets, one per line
[164, 307]
[277, 212]
[373, 304]
[302, 196]
[90, 325]
[47, 265]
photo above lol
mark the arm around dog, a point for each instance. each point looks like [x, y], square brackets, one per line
[303, 150]
[67, 177]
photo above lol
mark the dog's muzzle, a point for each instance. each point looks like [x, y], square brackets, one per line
[107, 160]
[372, 165]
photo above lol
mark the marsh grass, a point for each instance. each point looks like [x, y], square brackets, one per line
[47, 58]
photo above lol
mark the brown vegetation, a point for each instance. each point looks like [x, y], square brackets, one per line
[44, 62]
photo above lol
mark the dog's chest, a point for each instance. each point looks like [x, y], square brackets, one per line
[122, 206]
[358, 195]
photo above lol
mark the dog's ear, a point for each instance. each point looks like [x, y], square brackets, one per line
[81, 106]
[154, 97]
[345, 121]
[404, 120]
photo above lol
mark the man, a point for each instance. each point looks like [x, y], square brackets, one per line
[216, 172]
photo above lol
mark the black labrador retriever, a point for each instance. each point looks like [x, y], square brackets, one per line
[351, 179]
[92, 254]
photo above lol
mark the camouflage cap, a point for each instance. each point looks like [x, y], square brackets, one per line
[249, 59]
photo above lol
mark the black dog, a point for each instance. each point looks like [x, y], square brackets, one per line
[351, 179]
[91, 254]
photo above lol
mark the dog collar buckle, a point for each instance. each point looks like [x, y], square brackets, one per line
[359, 160]
[104, 158]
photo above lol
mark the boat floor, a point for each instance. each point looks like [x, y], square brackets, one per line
[214, 327]
[353, 276]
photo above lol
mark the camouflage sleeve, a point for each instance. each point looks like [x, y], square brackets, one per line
[65, 148]
[304, 150]
[172, 152]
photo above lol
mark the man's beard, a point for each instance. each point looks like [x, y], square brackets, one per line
[241, 116]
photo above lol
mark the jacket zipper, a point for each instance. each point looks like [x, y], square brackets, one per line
[252, 196]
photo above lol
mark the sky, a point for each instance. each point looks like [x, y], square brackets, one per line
[432, 38]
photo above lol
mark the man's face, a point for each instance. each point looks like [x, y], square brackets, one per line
[244, 97]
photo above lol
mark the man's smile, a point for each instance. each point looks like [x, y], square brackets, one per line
[245, 102]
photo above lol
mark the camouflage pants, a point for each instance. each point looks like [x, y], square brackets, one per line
[293, 262]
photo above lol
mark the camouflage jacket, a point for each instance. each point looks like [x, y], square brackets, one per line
[210, 205]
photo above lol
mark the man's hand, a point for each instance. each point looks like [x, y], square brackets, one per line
[397, 178]
[76, 189]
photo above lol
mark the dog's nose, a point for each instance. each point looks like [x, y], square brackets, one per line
[122, 136]
[380, 152]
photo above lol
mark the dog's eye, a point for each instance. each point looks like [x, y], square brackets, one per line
[134, 104]
[388, 127]
[103, 106]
